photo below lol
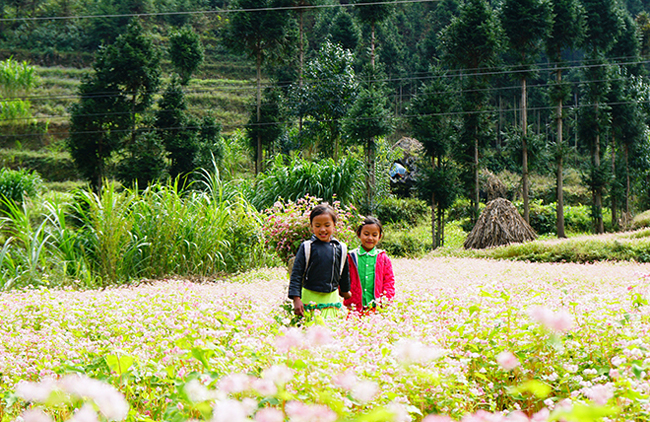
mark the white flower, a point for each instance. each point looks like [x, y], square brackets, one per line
[35, 415]
[85, 414]
[364, 391]
[37, 392]
[409, 351]
[229, 410]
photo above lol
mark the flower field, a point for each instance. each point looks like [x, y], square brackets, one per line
[466, 339]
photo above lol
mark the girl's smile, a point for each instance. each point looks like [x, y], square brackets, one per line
[369, 236]
[323, 227]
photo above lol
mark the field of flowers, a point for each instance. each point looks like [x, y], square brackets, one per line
[466, 339]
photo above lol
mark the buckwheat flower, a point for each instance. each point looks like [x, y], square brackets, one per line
[364, 391]
[85, 414]
[437, 418]
[300, 412]
[557, 321]
[347, 380]
[399, 411]
[409, 351]
[269, 414]
[571, 368]
[111, 403]
[229, 410]
[37, 392]
[507, 360]
[614, 374]
[318, 335]
[292, 337]
[34, 415]
[278, 374]
[617, 360]
[517, 416]
[599, 394]
[541, 416]
[264, 387]
[234, 383]
[549, 403]
[196, 391]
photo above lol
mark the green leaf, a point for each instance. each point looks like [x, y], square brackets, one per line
[539, 389]
[584, 413]
[119, 364]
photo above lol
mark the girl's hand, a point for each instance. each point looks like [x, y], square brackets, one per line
[346, 295]
[298, 307]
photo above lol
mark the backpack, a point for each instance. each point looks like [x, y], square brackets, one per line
[344, 253]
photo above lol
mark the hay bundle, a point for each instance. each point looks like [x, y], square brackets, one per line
[499, 224]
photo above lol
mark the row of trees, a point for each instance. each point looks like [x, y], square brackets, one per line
[340, 95]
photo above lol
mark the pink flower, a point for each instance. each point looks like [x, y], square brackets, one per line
[269, 414]
[85, 414]
[600, 393]
[229, 410]
[278, 374]
[346, 380]
[507, 360]
[35, 415]
[301, 412]
[557, 321]
[234, 383]
[318, 335]
[292, 337]
[264, 387]
[111, 403]
[437, 418]
[364, 391]
[35, 391]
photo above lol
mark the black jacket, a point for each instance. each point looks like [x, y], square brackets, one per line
[324, 271]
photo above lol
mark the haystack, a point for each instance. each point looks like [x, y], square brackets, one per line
[499, 224]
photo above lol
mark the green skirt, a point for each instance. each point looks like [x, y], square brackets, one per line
[328, 304]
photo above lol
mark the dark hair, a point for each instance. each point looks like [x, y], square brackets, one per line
[320, 209]
[368, 221]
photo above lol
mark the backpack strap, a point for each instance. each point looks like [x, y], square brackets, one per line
[344, 256]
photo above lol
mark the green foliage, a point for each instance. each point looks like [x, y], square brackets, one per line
[185, 52]
[16, 78]
[414, 242]
[344, 30]
[287, 224]
[298, 178]
[402, 212]
[16, 185]
[117, 237]
[642, 220]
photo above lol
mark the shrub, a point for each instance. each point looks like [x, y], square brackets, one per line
[406, 211]
[15, 185]
[641, 220]
[406, 243]
[287, 224]
[323, 179]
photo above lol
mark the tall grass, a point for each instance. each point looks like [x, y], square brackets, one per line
[91, 241]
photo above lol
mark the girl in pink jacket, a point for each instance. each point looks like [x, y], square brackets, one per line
[371, 272]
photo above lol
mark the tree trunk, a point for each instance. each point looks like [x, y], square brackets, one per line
[613, 197]
[524, 148]
[598, 191]
[372, 45]
[434, 238]
[370, 170]
[476, 181]
[560, 179]
[627, 179]
[300, 66]
[258, 160]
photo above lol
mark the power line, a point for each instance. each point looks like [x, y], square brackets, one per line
[261, 9]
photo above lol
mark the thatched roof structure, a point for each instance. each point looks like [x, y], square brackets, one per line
[499, 224]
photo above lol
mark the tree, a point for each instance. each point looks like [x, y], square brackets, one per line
[471, 44]
[567, 31]
[372, 13]
[433, 124]
[368, 119]
[260, 34]
[344, 31]
[329, 90]
[185, 52]
[270, 125]
[525, 23]
[112, 99]
[602, 28]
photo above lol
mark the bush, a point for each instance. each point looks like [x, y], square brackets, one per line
[15, 185]
[405, 211]
[406, 243]
[641, 220]
[299, 178]
[287, 225]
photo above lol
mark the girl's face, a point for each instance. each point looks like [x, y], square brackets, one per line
[323, 227]
[370, 235]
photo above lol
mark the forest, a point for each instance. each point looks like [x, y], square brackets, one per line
[544, 102]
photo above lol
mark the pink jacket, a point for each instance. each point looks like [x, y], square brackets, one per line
[384, 281]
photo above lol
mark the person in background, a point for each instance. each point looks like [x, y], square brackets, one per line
[372, 282]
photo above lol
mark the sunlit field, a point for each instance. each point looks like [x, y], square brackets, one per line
[465, 339]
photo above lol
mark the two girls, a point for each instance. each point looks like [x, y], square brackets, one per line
[323, 270]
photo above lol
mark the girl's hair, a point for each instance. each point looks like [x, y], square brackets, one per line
[320, 209]
[369, 221]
